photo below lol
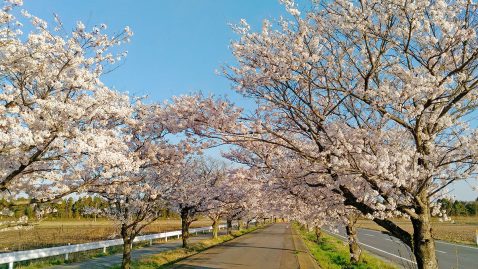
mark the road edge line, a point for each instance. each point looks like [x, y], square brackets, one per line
[363, 244]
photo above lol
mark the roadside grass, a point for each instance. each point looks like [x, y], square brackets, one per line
[459, 230]
[167, 259]
[332, 253]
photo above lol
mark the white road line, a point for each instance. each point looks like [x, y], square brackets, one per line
[457, 245]
[391, 254]
[369, 234]
[440, 251]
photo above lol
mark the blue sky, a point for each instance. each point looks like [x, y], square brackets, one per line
[177, 44]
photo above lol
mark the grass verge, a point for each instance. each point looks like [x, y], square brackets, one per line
[332, 253]
[166, 259]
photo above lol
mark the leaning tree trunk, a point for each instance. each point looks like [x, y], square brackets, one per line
[229, 226]
[127, 246]
[423, 243]
[354, 248]
[215, 227]
[185, 227]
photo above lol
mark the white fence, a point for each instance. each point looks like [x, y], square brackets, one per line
[11, 257]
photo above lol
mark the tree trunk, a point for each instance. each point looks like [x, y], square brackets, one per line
[185, 227]
[354, 248]
[229, 226]
[215, 227]
[127, 246]
[239, 224]
[126, 263]
[318, 233]
[423, 242]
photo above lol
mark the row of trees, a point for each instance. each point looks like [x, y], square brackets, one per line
[459, 208]
[83, 207]
[363, 111]
[63, 132]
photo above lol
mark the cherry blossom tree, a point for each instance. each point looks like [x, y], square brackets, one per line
[193, 191]
[220, 206]
[378, 94]
[294, 190]
[58, 120]
[239, 197]
[137, 197]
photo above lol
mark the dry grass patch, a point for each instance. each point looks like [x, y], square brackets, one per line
[62, 232]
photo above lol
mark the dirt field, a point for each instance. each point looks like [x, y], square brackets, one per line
[460, 229]
[54, 233]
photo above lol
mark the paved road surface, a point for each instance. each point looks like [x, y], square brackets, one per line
[271, 248]
[449, 255]
[115, 259]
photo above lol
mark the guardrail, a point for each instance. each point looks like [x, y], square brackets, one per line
[17, 256]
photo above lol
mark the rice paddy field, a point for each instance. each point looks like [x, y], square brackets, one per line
[50, 233]
[459, 229]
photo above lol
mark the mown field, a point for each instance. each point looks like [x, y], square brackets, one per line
[459, 230]
[62, 232]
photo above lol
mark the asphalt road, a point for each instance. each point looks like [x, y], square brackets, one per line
[449, 255]
[271, 248]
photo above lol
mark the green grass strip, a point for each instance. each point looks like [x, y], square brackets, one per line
[332, 253]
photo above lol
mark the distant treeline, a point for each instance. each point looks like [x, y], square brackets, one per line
[460, 208]
[84, 207]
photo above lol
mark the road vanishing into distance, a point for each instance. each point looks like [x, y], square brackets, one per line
[275, 247]
[390, 248]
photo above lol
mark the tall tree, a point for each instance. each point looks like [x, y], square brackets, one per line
[58, 119]
[136, 197]
[193, 191]
[377, 94]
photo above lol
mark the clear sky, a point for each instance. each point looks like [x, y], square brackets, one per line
[177, 44]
